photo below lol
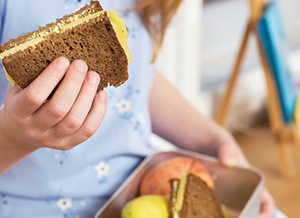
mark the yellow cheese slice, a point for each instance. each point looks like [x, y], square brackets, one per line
[8, 77]
[21, 47]
[121, 32]
[76, 20]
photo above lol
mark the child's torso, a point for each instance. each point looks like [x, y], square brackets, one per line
[70, 183]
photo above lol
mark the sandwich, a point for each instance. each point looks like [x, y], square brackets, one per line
[91, 34]
[191, 198]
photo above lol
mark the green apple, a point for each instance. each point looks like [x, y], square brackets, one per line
[147, 206]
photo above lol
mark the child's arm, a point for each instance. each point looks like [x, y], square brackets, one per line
[69, 117]
[178, 122]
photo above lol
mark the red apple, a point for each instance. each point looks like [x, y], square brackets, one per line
[156, 181]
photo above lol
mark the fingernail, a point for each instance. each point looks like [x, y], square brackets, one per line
[80, 65]
[102, 95]
[62, 63]
[231, 161]
[93, 78]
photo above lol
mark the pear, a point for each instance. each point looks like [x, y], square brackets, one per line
[146, 206]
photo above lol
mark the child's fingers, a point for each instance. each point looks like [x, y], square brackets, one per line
[267, 205]
[78, 113]
[93, 120]
[230, 155]
[64, 97]
[11, 92]
[227, 156]
[32, 97]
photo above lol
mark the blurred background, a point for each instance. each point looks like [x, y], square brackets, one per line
[203, 42]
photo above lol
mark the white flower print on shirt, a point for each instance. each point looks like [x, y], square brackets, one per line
[102, 169]
[82, 203]
[141, 119]
[56, 156]
[64, 203]
[123, 106]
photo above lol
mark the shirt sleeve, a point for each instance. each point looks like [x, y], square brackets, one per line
[2, 17]
[3, 81]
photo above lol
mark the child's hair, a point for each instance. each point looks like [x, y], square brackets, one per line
[156, 16]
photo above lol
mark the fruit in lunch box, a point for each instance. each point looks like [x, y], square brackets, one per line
[156, 181]
[147, 206]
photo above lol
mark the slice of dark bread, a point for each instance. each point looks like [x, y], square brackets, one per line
[95, 42]
[93, 7]
[199, 201]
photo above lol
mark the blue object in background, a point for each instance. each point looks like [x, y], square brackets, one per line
[275, 46]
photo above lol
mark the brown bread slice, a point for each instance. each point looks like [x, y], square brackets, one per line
[94, 42]
[199, 201]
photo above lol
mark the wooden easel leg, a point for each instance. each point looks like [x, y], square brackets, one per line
[283, 143]
[285, 152]
[287, 161]
[223, 108]
[295, 136]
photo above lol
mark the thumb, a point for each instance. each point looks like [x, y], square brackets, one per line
[227, 156]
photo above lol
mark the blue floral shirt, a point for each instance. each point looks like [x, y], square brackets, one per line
[76, 183]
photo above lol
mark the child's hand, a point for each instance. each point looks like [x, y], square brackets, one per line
[71, 116]
[230, 154]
